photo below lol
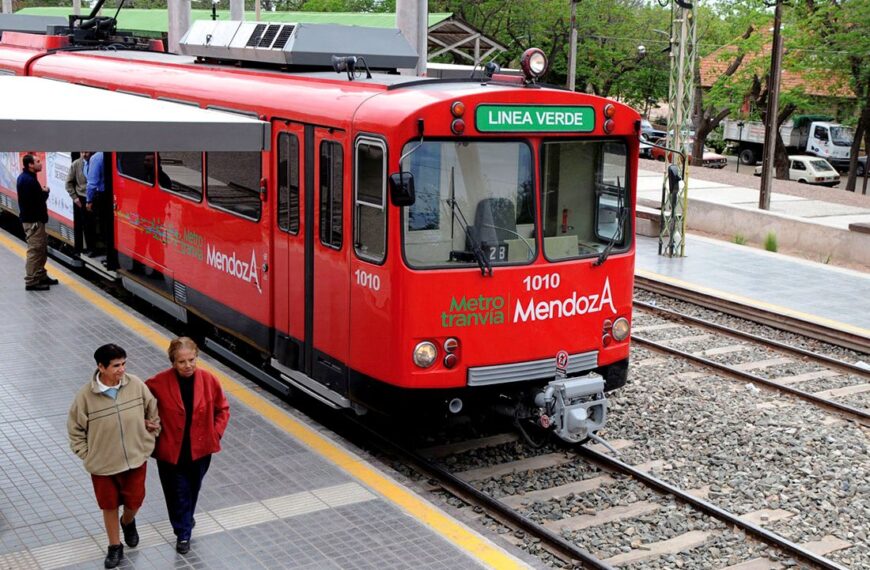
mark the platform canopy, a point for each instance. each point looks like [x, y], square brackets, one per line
[45, 115]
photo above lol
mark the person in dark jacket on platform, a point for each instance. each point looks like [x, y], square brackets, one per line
[194, 414]
[33, 212]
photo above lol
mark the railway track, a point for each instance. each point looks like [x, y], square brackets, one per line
[713, 340]
[605, 473]
[791, 323]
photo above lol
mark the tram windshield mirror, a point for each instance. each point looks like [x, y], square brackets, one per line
[402, 189]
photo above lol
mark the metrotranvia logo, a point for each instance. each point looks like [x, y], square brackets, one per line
[234, 266]
[475, 311]
[467, 312]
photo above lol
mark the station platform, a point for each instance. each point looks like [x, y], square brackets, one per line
[814, 292]
[820, 229]
[281, 494]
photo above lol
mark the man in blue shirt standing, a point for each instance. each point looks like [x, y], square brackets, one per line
[33, 212]
[97, 200]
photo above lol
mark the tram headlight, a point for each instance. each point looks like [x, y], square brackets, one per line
[621, 328]
[533, 63]
[425, 354]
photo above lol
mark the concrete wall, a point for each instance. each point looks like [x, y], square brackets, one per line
[815, 240]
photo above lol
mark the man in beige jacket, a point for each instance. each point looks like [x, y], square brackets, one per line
[77, 188]
[112, 427]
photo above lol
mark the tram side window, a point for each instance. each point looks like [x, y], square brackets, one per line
[233, 182]
[137, 165]
[331, 186]
[370, 222]
[288, 183]
[181, 173]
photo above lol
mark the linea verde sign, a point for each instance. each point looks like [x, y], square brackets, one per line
[534, 118]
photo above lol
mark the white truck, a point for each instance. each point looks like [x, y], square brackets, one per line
[811, 135]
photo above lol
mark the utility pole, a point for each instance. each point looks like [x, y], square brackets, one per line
[179, 22]
[412, 19]
[77, 7]
[7, 6]
[572, 51]
[237, 10]
[672, 238]
[770, 132]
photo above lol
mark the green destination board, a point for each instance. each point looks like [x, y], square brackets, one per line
[534, 118]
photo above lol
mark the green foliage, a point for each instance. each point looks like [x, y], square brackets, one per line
[740, 239]
[770, 243]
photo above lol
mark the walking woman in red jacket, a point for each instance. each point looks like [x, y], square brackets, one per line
[194, 413]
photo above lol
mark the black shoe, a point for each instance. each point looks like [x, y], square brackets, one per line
[115, 555]
[49, 281]
[131, 535]
[182, 546]
[37, 287]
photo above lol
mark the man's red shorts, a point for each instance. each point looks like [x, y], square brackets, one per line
[126, 488]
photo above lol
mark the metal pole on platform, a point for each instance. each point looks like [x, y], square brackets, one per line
[257, 10]
[740, 138]
[572, 51]
[237, 10]
[77, 7]
[7, 6]
[772, 111]
[179, 22]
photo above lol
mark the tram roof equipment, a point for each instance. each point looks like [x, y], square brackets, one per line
[47, 115]
[300, 44]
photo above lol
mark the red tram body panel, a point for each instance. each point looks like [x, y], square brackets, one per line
[519, 243]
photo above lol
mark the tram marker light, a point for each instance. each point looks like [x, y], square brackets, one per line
[608, 126]
[450, 345]
[457, 108]
[534, 64]
[402, 189]
[450, 361]
[609, 111]
[457, 126]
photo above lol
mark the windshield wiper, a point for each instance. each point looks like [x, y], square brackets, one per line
[479, 256]
[620, 228]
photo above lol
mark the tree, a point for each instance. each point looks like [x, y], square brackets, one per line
[836, 35]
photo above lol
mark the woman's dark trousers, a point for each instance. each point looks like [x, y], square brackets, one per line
[181, 484]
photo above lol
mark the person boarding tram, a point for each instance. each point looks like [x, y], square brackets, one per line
[77, 188]
[195, 414]
[98, 203]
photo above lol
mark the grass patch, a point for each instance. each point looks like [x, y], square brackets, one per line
[740, 239]
[770, 243]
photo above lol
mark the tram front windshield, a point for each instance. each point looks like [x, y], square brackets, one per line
[478, 198]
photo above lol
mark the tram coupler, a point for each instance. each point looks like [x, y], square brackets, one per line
[574, 408]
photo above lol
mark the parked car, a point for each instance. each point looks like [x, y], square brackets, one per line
[809, 170]
[645, 148]
[711, 159]
[650, 132]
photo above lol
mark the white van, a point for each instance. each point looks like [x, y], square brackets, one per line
[809, 170]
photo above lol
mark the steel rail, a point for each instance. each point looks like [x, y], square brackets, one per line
[736, 333]
[861, 416]
[817, 331]
[562, 548]
[715, 511]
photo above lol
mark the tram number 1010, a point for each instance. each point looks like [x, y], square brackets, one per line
[538, 282]
[368, 280]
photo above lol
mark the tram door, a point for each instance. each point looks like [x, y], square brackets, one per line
[288, 176]
[327, 297]
[310, 244]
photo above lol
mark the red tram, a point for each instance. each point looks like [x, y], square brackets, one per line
[403, 242]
